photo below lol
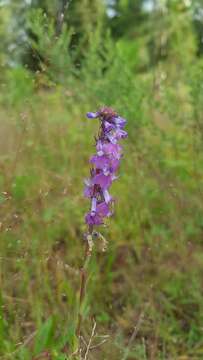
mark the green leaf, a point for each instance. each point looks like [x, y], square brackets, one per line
[44, 336]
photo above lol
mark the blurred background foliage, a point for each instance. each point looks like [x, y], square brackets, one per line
[58, 60]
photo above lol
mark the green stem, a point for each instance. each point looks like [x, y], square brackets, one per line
[83, 282]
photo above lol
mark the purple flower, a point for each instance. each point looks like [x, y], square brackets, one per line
[100, 162]
[89, 188]
[104, 181]
[120, 134]
[103, 209]
[94, 206]
[107, 196]
[112, 150]
[92, 115]
[93, 220]
[112, 138]
[114, 164]
[119, 121]
[107, 164]
[100, 212]
[109, 126]
[104, 164]
[116, 135]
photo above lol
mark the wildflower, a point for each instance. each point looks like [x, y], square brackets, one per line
[97, 216]
[109, 149]
[105, 163]
[92, 115]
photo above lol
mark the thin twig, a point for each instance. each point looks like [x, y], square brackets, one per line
[84, 341]
[90, 340]
[98, 345]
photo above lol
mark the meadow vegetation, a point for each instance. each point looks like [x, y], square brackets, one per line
[144, 293]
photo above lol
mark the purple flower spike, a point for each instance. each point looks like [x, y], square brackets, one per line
[104, 164]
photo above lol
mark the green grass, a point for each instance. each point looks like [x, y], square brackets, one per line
[145, 292]
[152, 269]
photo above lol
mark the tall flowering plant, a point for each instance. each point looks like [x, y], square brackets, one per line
[104, 165]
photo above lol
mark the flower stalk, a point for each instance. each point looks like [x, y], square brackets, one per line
[104, 166]
[83, 278]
